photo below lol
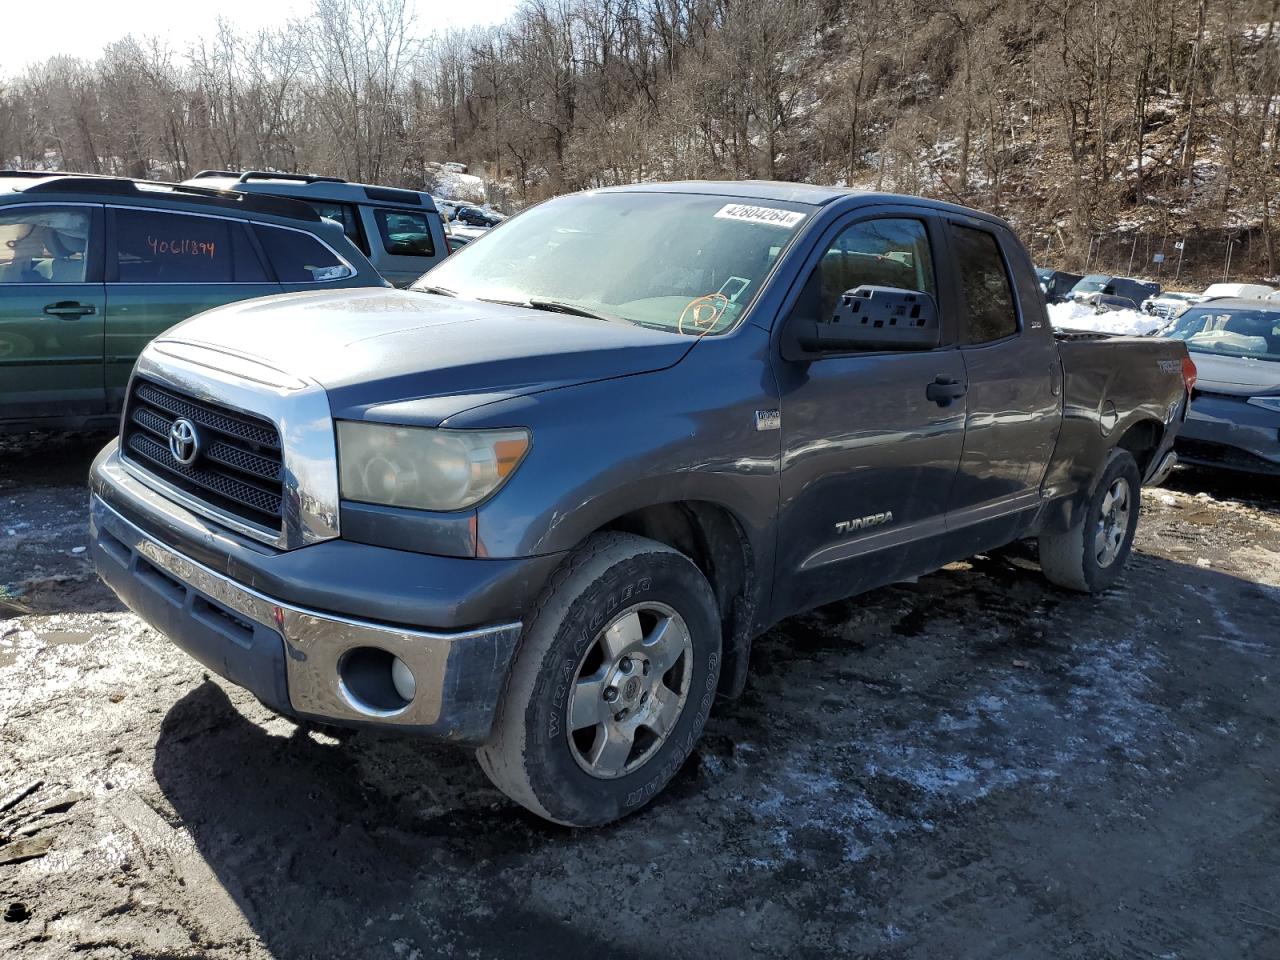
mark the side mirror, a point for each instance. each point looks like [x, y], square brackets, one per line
[874, 318]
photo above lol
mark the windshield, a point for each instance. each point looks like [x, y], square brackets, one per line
[1091, 284]
[1229, 332]
[686, 263]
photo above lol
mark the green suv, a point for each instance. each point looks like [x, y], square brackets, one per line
[91, 268]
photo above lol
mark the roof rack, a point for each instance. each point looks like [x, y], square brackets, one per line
[300, 177]
[122, 187]
[46, 174]
[215, 173]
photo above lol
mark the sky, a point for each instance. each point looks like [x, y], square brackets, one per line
[81, 28]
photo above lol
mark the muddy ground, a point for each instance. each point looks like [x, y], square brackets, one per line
[976, 765]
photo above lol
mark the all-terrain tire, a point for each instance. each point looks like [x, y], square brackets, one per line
[528, 756]
[1071, 559]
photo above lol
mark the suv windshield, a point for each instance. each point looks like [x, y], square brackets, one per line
[689, 264]
[1231, 332]
[1093, 283]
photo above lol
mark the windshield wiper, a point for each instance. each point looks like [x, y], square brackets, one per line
[556, 306]
[553, 306]
[442, 291]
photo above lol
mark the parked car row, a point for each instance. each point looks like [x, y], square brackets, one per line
[1233, 332]
[1106, 292]
[457, 212]
[92, 268]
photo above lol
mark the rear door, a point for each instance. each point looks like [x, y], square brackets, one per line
[1015, 386]
[868, 459]
[51, 311]
[164, 266]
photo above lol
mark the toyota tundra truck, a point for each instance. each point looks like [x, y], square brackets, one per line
[539, 504]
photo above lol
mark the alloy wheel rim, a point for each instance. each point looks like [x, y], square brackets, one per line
[629, 690]
[1113, 523]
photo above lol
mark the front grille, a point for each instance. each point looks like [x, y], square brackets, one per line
[239, 468]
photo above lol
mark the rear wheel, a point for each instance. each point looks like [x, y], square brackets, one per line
[612, 685]
[1090, 556]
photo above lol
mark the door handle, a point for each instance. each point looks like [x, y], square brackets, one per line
[944, 389]
[70, 310]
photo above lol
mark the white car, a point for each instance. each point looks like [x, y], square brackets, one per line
[1170, 303]
[1238, 291]
[456, 229]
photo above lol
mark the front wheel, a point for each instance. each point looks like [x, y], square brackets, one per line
[612, 685]
[1090, 556]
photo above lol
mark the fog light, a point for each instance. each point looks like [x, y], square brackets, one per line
[375, 682]
[402, 679]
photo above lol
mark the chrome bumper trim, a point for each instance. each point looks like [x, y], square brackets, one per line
[458, 675]
[1161, 473]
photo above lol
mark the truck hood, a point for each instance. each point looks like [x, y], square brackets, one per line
[411, 357]
[1237, 375]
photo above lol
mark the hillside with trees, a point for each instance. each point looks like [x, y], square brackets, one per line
[1105, 130]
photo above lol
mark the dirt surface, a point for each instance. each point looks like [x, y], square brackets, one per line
[976, 765]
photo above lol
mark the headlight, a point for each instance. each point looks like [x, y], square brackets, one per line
[425, 468]
[1267, 403]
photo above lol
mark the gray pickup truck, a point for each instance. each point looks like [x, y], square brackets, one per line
[541, 503]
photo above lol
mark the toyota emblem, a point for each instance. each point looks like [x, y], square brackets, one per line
[184, 442]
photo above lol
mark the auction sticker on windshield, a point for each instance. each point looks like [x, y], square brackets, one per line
[753, 214]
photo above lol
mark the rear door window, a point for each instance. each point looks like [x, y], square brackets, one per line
[153, 246]
[299, 257]
[988, 295]
[405, 233]
[348, 216]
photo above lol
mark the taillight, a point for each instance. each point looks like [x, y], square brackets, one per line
[1188, 373]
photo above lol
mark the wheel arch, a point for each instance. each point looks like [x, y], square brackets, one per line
[1142, 439]
[714, 538]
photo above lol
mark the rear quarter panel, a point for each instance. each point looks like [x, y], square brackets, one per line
[1110, 385]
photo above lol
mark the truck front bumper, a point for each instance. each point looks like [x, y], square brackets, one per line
[299, 660]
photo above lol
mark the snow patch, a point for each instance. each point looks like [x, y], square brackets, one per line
[1078, 316]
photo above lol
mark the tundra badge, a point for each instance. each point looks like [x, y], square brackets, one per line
[768, 419]
[862, 523]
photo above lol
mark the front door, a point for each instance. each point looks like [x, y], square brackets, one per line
[165, 266]
[51, 311]
[868, 458]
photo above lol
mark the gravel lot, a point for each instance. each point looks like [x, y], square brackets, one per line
[976, 765]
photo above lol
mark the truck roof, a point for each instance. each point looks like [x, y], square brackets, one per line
[746, 189]
[782, 191]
